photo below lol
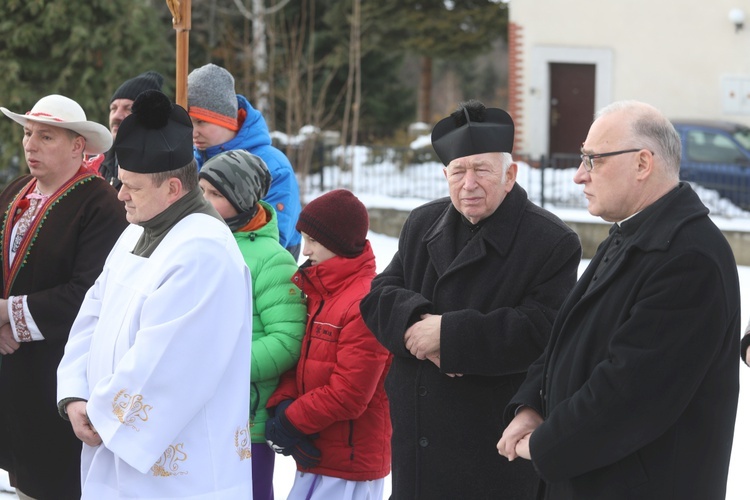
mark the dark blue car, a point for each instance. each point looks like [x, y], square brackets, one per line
[716, 155]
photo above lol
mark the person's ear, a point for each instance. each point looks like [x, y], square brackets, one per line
[79, 146]
[510, 176]
[645, 164]
[175, 188]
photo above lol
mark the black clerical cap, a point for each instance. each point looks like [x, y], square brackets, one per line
[457, 135]
[156, 137]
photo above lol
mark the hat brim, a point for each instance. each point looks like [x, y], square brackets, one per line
[98, 137]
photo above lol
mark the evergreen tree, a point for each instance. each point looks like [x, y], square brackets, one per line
[83, 50]
[454, 30]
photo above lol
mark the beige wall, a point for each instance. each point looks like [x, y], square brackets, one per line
[674, 54]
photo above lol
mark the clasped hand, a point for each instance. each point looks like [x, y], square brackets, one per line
[8, 343]
[422, 339]
[285, 438]
[515, 440]
[82, 426]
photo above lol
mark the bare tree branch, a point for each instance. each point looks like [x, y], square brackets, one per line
[268, 10]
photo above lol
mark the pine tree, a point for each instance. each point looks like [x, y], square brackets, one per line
[83, 50]
[454, 30]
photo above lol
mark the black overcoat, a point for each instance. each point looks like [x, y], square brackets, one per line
[67, 255]
[498, 297]
[642, 368]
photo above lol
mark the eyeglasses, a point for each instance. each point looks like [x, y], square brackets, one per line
[588, 160]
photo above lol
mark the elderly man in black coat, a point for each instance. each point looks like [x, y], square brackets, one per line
[636, 394]
[465, 306]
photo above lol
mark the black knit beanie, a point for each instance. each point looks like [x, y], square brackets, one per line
[338, 220]
[150, 80]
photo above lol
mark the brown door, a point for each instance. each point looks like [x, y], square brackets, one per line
[571, 106]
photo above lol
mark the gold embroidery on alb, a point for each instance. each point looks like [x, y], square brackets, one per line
[242, 442]
[169, 463]
[128, 408]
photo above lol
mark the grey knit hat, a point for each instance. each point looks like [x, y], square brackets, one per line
[241, 177]
[211, 96]
[150, 80]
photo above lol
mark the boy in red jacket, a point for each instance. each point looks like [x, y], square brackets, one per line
[331, 413]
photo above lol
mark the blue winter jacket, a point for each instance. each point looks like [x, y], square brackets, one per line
[283, 195]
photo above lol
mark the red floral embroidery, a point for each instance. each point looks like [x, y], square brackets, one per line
[22, 330]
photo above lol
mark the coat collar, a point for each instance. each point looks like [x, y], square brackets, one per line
[653, 229]
[328, 277]
[498, 231]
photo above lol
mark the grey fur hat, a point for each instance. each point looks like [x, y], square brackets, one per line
[241, 177]
[211, 96]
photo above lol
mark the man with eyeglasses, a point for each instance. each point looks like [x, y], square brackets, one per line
[636, 394]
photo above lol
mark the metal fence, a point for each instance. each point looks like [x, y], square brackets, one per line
[403, 172]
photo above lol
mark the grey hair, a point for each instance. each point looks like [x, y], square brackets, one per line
[652, 130]
[188, 176]
[507, 162]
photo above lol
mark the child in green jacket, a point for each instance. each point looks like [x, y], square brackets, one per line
[235, 182]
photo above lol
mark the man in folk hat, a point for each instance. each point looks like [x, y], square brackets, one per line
[60, 222]
[120, 107]
[466, 304]
[155, 378]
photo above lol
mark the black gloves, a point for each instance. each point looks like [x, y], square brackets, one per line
[284, 438]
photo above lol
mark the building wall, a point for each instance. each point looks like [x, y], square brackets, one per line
[682, 56]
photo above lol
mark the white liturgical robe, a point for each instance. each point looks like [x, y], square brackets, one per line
[161, 351]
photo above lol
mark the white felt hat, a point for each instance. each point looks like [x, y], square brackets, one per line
[63, 112]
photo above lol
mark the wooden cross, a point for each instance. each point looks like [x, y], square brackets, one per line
[181, 10]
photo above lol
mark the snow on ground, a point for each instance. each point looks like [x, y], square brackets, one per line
[385, 185]
[385, 247]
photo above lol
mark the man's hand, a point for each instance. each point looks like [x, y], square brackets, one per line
[4, 315]
[8, 344]
[422, 339]
[81, 424]
[515, 440]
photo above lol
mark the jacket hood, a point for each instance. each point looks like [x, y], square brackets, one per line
[269, 230]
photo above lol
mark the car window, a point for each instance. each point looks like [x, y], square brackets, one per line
[712, 147]
[743, 137]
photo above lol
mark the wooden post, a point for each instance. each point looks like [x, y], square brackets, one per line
[181, 18]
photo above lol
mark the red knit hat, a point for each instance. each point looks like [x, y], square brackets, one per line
[338, 220]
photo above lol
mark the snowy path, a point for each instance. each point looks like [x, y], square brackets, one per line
[740, 463]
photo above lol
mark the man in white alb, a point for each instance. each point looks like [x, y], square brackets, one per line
[155, 378]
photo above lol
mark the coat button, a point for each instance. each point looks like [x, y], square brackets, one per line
[423, 442]
[422, 390]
